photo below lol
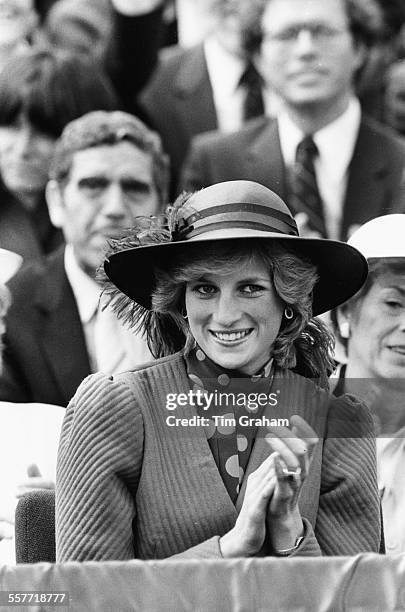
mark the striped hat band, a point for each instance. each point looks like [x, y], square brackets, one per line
[244, 215]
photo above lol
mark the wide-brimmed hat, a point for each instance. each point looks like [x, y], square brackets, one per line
[382, 237]
[9, 264]
[239, 211]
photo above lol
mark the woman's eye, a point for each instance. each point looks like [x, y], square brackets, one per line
[394, 304]
[205, 289]
[249, 289]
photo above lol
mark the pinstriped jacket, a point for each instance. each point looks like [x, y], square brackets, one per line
[128, 486]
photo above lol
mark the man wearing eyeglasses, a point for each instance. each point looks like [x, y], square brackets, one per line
[335, 167]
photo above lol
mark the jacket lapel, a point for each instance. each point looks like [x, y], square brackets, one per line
[61, 334]
[194, 92]
[264, 159]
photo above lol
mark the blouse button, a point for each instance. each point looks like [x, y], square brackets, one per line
[223, 379]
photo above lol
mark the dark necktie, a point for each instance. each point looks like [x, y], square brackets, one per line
[305, 195]
[252, 82]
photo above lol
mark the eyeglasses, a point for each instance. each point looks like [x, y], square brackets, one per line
[320, 33]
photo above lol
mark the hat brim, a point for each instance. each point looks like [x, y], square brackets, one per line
[341, 268]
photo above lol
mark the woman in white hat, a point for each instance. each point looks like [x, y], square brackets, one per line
[223, 447]
[371, 326]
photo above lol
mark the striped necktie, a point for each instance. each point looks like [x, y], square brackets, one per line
[305, 195]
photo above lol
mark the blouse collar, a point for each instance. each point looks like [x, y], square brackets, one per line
[198, 361]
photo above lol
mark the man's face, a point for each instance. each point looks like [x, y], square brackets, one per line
[227, 25]
[108, 186]
[308, 54]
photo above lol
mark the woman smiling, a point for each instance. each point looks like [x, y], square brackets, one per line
[225, 290]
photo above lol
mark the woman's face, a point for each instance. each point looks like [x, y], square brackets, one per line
[25, 157]
[377, 329]
[235, 318]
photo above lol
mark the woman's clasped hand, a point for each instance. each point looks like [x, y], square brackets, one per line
[269, 513]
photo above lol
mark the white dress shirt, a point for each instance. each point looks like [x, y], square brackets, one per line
[87, 294]
[225, 70]
[335, 142]
[391, 482]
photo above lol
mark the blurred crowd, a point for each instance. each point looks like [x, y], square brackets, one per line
[109, 109]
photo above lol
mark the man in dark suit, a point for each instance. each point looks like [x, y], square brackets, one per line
[179, 102]
[309, 53]
[108, 168]
[212, 85]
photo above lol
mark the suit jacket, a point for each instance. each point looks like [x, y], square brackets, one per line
[128, 485]
[45, 356]
[178, 101]
[375, 186]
